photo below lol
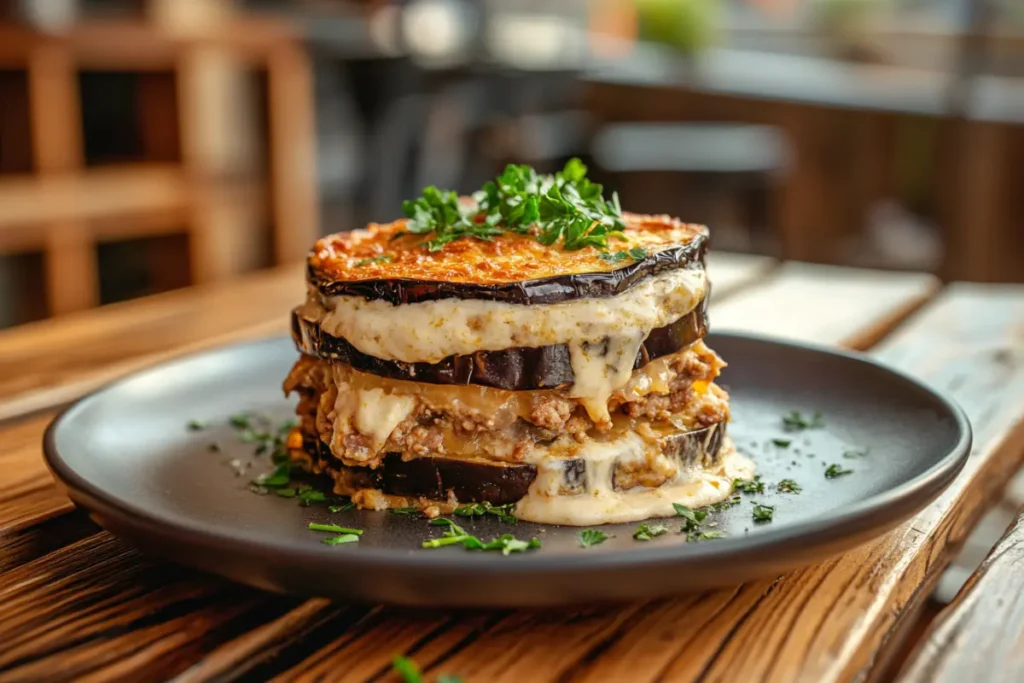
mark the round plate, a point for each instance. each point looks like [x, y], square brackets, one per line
[125, 454]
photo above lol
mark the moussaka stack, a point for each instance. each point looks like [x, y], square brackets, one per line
[530, 345]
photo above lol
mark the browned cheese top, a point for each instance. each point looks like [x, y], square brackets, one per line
[374, 253]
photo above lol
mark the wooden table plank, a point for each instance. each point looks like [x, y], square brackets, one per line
[730, 272]
[54, 361]
[821, 623]
[825, 304]
[980, 635]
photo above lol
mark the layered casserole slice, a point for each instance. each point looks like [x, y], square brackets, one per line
[473, 354]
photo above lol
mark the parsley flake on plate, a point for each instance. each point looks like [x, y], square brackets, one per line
[591, 537]
[788, 486]
[694, 518]
[502, 512]
[704, 536]
[763, 513]
[456, 535]
[795, 421]
[647, 531]
[835, 470]
[754, 485]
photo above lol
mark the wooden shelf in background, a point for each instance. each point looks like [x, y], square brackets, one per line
[91, 194]
[135, 46]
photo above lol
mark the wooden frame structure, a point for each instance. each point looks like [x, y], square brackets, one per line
[63, 208]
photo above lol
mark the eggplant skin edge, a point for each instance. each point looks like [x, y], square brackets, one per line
[516, 369]
[548, 290]
[499, 484]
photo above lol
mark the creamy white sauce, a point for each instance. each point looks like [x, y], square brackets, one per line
[600, 503]
[433, 330]
[372, 413]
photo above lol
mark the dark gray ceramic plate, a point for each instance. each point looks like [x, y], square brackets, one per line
[125, 454]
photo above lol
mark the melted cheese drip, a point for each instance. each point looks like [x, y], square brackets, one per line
[600, 369]
[431, 331]
[602, 504]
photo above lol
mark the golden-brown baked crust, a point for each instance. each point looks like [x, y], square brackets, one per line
[375, 253]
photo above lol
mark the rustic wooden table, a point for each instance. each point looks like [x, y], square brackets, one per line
[76, 603]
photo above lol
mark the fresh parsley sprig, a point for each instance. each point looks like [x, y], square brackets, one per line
[564, 207]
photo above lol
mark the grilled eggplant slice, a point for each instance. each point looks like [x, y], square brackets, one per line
[500, 484]
[383, 263]
[518, 369]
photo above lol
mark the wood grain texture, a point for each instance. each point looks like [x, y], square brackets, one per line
[97, 610]
[980, 635]
[827, 622]
[53, 361]
[825, 304]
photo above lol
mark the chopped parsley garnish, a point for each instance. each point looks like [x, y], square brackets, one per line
[241, 421]
[410, 672]
[281, 476]
[407, 669]
[729, 502]
[456, 535]
[794, 421]
[834, 471]
[646, 532]
[382, 258]
[334, 529]
[308, 494]
[565, 206]
[405, 511]
[634, 254]
[338, 540]
[693, 518]
[342, 507]
[343, 534]
[502, 512]
[854, 453]
[782, 443]
[285, 493]
[763, 513]
[197, 425]
[754, 485]
[704, 536]
[788, 486]
[589, 537]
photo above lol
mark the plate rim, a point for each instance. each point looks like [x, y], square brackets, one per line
[855, 519]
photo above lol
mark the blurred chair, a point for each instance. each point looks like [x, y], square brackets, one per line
[721, 174]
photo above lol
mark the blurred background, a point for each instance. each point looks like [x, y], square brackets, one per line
[147, 145]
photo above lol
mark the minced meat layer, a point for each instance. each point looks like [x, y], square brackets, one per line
[480, 422]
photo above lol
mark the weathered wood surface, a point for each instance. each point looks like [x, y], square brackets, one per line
[825, 304]
[77, 603]
[54, 361]
[980, 635]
